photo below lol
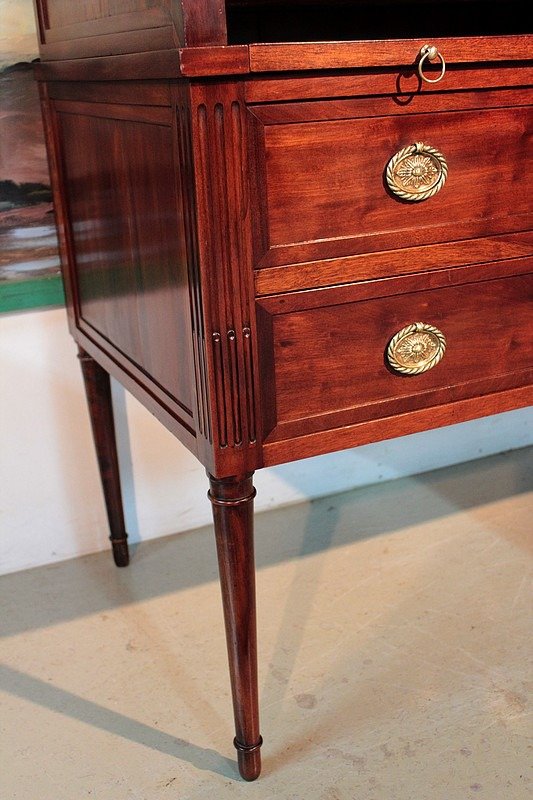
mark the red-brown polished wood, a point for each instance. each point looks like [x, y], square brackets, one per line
[486, 192]
[232, 253]
[232, 500]
[327, 367]
[124, 214]
[383, 53]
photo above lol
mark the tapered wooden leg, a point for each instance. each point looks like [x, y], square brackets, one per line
[232, 500]
[98, 391]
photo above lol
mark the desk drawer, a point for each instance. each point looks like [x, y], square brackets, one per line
[324, 353]
[321, 188]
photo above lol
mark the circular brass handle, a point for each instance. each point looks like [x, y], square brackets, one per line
[416, 172]
[416, 349]
[429, 52]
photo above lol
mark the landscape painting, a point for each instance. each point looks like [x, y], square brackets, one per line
[29, 260]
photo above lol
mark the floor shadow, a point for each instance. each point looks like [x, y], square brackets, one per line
[60, 701]
[405, 503]
[59, 592]
[319, 534]
[377, 510]
[48, 595]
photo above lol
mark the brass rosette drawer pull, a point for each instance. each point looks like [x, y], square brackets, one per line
[415, 349]
[416, 172]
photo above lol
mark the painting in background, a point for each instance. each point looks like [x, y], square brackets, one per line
[29, 260]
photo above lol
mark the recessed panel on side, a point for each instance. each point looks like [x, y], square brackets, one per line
[127, 234]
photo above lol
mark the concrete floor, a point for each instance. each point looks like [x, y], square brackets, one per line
[394, 655]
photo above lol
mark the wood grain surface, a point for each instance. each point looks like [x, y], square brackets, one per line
[327, 366]
[315, 206]
[232, 254]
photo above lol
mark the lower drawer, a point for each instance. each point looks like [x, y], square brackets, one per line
[326, 359]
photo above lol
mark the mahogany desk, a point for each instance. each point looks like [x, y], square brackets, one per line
[289, 228]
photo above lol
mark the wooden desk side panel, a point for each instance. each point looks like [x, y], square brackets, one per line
[118, 187]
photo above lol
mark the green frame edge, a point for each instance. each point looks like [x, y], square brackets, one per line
[36, 293]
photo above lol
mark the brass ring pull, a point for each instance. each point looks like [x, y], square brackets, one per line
[430, 52]
[416, 172]
[416, 349]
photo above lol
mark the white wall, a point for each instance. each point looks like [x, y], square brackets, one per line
[50, 499]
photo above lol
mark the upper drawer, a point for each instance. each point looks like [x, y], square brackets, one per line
[320, 181]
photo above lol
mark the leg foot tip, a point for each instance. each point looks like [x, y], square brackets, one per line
[121, 555]
[249, 760]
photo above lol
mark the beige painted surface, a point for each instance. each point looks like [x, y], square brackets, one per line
[394, 654]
